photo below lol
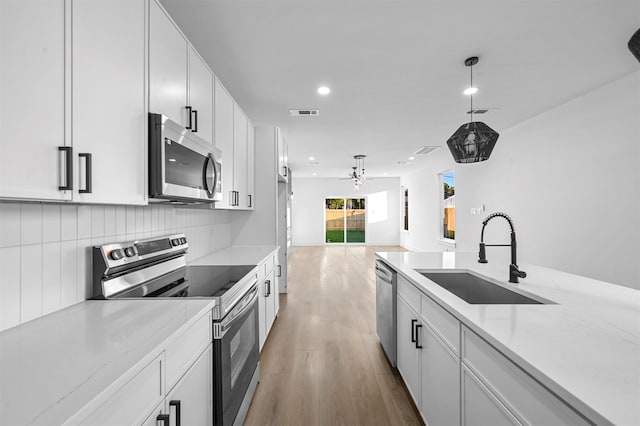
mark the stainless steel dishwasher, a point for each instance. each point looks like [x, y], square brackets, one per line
[386, 309]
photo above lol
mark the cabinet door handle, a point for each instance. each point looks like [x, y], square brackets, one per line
[418, 345]
[195, 126]
[279, 271]
[164, 418]
[87, 173]
[250, 200]
[285, 171]
[268, 291]
[413, 330]
[176, 403]
[68, 168]
[190, 113]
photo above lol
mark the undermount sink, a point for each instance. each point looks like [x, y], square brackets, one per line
[476, 290]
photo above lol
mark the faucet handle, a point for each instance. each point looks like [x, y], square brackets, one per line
[482, 255]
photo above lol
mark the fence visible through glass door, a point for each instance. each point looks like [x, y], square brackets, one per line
[345, 220]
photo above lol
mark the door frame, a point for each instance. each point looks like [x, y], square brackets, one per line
[324, 221]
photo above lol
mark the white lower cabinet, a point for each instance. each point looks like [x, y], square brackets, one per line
[409, 357]
[268, 303]
[480, 406]
[190, 402]
[440, 381]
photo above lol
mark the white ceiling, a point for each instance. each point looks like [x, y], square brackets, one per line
[396, 68]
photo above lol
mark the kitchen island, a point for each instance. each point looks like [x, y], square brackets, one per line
[582, 347]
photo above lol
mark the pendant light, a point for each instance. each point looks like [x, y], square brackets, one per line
[473, 141]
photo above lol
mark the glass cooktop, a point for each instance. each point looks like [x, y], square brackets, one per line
[213, 281]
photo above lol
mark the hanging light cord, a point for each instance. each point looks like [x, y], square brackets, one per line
[472, 93]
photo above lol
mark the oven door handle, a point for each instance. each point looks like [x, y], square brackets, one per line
[244, 305]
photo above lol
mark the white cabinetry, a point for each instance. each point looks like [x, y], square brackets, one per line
[223, 130]
[180, 82]
[234, 136]
[33, 43]
[201, 96]
[175, 385]
[283, 156]
[428, 365]
[480, 406]
[251, 165]
[409, 359]
[108, 102]
[240, 123]
[525, 398]
[268, 302]
[168, 61]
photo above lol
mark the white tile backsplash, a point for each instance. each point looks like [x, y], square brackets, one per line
[30, 282]
[10, 286]
[51, 264]
[30, 224]
[45, 249]
[9, 225]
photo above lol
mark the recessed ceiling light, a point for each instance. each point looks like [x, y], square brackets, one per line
[173, 160]
[470, 90]
[412, 158]
[313, 174]
[385, 173]
[324, 90]
[312, 158]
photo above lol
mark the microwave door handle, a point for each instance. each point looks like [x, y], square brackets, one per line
[205, 169]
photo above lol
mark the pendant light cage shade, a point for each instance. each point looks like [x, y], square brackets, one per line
[472, 142]
[634, 44]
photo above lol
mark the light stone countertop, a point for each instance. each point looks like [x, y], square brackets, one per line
[585, 347]
[52, 367]
[236, 255]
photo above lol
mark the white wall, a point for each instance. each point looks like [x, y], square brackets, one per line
[309, 201]
[568, 177]
[45, 249]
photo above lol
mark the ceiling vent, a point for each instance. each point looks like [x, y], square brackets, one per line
[478, 111]
[304, 112]
[426, 150]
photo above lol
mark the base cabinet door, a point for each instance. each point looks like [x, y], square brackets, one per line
[191, 400]
[440, 381]
[32, 100]
[408, 334]
[480, 406]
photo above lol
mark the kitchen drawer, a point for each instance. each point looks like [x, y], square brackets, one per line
[445, 325]
[522, 394]
[134, 401]
[409, 292]
[186, 348]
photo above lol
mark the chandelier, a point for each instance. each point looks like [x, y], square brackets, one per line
[473, 141]
[357, 174]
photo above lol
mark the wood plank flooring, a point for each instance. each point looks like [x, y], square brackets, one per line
[322, 363]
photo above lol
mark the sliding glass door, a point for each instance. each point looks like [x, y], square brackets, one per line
[345, 220]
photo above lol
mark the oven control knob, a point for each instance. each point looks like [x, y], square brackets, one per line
[116, 254]
[175, 242]
[130, 251]
[183, 240]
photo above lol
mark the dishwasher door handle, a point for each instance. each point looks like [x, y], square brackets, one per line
[384, 275]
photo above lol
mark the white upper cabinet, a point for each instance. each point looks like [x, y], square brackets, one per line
[283, 157]
[168, 73]
[223, 130]
[251, 165]
[201, 96]
[33, 40]
[109, 130]
[240, 157]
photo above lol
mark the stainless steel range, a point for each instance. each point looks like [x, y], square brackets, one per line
[157, 267]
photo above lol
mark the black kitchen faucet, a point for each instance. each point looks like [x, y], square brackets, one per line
[514, 272]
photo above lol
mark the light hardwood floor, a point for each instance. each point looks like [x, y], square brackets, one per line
[322, 363]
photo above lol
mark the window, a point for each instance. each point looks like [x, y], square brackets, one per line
[448, 205]
[406, 209]
[345, 220]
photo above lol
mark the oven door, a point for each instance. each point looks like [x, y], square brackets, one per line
[182, 166]
[236, 355]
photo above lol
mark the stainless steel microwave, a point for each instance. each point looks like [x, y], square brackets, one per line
[182, 166]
